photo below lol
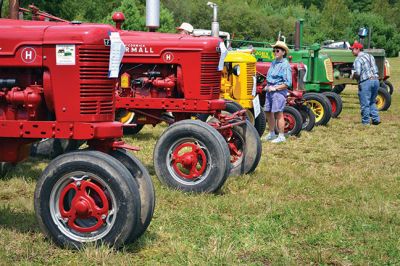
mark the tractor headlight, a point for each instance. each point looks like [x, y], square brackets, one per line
[236, 70]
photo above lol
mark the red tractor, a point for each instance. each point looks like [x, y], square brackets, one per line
[298, 116]
[170, 78]
[54, 84]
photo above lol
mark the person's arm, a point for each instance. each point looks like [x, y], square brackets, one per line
[357, 69]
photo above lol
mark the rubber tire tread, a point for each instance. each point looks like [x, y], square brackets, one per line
[117, 177]
[338, 100]
[146, 190]
[208, 135]
[325, 103]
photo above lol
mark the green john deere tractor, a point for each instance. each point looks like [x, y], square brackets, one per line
[343, 59]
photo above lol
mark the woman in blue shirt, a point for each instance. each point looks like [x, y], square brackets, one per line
[279, 79]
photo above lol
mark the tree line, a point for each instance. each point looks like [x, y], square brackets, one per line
[258, 20]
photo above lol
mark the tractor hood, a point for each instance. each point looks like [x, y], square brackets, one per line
[153, 44]
[17, 33]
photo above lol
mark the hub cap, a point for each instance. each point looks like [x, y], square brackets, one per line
[83, 207]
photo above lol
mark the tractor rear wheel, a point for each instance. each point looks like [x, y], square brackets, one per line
[293, 121]
[192, 156]
[308, 117]
[339, 88]
[260, 123]
[5, 167]
[51, 148]
[87, 197]
[126, 117]
[245, 149]
[146, 189]
[383, 100]
[321, 107]
[336, 103]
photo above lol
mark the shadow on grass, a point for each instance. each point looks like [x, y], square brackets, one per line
[21, 221]
[29, 170]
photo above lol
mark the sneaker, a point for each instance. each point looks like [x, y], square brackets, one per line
[376, 122]
[270, 137]
[279, 139]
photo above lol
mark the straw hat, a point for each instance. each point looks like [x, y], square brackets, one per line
[282, 45]
[185, 26]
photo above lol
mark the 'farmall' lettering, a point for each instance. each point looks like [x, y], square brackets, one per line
[138, 49]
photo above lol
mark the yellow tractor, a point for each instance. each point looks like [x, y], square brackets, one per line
[238, 87]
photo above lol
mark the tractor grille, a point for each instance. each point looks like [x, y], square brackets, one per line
[251, 72]
[210, 76]
[328, 69]
[96, 89]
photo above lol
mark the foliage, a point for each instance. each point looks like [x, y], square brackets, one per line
[251, 19]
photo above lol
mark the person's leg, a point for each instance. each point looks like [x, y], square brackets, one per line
[364, 95]
[270, 118]
[372, 103]
[281, 122]
[277, 107]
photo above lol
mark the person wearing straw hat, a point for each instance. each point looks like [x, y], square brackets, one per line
[185, 28]
[279, 79]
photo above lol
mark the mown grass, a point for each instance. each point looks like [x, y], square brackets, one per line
[331, 196]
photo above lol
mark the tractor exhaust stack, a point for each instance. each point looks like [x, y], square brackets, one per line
[215, 23]
[152, 14]
[298, 34]
[14, 9]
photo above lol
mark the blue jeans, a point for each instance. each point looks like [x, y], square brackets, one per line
[367, 92]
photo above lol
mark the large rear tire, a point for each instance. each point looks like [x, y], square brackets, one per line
[336, 103]
[192, 156]
[87, 197]
[321, 107]
[51, 148]
[126, 117]
[146, 189]
[339, 88]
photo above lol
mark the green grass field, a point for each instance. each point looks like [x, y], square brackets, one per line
[331, 196]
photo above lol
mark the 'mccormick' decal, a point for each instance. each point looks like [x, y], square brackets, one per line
[133, 48]
[28, 55]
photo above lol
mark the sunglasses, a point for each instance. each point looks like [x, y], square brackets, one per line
[276, 50]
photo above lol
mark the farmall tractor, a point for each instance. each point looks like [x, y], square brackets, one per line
[170, 78]
[54, 84]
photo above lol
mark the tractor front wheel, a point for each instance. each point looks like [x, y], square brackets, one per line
[146, 189]
[308, 117]
[321, 107]
[383, 100]
[293, 121]
[388, 85]
[336, 103]
[245, 148]
[87, 197]
[127, 117]
[192, 156]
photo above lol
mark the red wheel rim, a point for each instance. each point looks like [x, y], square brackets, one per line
[333, 103]
[189, 160]
[290, 122]
[83, 200]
